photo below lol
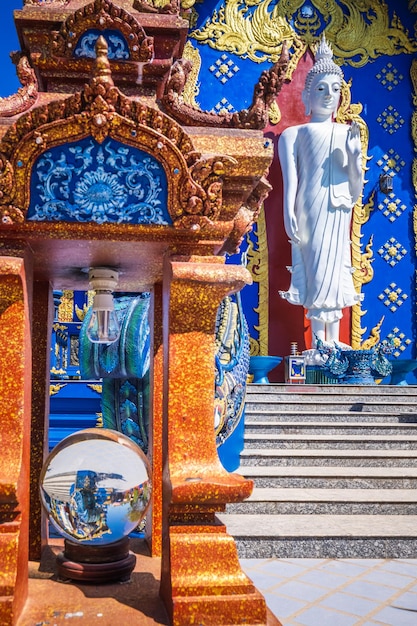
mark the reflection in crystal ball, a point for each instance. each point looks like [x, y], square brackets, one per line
[96, 486]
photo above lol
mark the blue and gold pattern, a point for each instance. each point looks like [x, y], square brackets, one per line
[389, 76]
[374, 43]
[400, 342]
[390, 119]
[392, 251]
[392, 207]
[393, 297]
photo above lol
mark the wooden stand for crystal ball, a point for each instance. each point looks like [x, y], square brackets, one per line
[96, 563]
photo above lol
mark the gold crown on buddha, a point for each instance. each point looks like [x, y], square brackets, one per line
[323, 63]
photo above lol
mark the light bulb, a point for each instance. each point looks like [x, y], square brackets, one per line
[103, 326]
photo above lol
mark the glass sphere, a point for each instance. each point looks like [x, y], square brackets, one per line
[96, 486]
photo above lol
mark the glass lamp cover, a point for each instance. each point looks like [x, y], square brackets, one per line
[96, 486]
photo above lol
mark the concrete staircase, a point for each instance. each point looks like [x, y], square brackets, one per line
[335, 473]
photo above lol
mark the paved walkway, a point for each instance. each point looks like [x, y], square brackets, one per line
[343, 592]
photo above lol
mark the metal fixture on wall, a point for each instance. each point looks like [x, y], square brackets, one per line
[103, 326]
[386, 183]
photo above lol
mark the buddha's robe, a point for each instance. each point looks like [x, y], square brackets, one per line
[321, 272]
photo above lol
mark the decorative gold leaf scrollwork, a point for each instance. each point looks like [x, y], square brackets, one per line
[258, 267]
[350, 112]
[256, 35]
[358, 31]
[55, 388]
[413, 76]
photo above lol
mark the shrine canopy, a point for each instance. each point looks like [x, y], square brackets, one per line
[102, 163]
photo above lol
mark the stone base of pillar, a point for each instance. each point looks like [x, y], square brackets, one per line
[207, 584]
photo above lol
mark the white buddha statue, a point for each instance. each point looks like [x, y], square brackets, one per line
[322, 174]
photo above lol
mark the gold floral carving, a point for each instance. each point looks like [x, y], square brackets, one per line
[103, 15]
[101, 110]
[374, 337]
[55, 388]
[192, 88]
[256, 35]
[358, 31]
[257, 264]
[413, 75]
[95, 387]
[66, 306]
[350, 112]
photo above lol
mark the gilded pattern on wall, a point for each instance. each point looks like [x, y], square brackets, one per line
[257, 264]
[413, 75]
[256, 29]
[350, 112]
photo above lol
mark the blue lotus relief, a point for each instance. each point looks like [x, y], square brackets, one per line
[108, 183]
[99, 194]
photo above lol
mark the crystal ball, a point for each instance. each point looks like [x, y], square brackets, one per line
[96, 486]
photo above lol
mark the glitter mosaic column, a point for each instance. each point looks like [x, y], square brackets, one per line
[202, 581]
[15, 416]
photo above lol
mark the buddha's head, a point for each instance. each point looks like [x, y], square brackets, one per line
[324, 77]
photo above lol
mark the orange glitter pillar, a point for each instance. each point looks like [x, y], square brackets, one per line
[15, 415]
[201, 580]
[42, 318]
[154, 528]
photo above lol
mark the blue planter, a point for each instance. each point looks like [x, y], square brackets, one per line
[400, 369]
[260, 366]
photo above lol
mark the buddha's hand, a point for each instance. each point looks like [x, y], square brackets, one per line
[291, 228]
[353, 141]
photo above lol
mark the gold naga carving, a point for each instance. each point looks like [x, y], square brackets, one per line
[359, 31]
[257, 264]
[100, 110]
[103, 15]
[413, 76]
[26, 95]
[255, 117]
[350, 112]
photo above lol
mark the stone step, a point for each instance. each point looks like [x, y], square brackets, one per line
[312, 415]
[274, 501]
[323, 536]
[332, 477]
[342, 442]
[313, 406]
[355, 393]
[340, 458]
[330, 428]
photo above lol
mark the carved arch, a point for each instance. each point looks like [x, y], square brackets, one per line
[195, 181]
[103, 15]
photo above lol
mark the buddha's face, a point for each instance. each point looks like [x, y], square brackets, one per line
[323, 96]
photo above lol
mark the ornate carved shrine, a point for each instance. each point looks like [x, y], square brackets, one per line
[101, 164]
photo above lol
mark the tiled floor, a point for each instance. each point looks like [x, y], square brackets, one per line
[345, 592]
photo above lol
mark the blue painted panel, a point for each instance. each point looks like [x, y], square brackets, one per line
[85, 181]
[86, 45]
